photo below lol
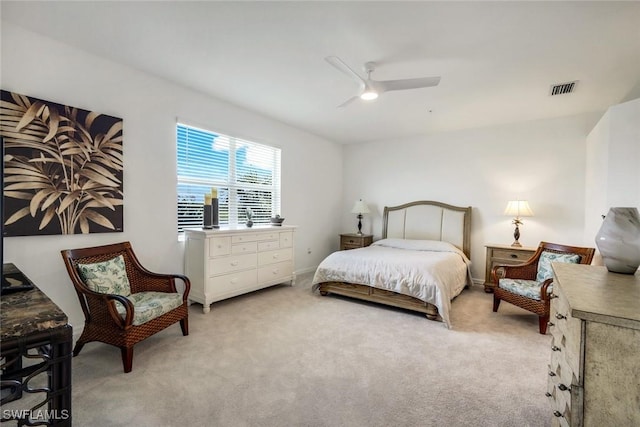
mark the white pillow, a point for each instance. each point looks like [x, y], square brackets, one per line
[420, 245]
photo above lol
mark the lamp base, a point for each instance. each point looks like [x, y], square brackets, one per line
[516, 236]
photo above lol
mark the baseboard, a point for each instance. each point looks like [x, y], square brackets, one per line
[306, 270]
[479, 282]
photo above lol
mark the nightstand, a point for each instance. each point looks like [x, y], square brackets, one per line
[504, 254]
[354, 241]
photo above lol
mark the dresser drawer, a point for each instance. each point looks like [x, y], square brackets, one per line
[244, 237]
[272, 235]
[219, 246]
[268, 245]
[567, 332]
[228, 264]
[564, 375]
[561, 404]
[277, 271]
[229, 283]
[286, 239]
[244, 248]
[271, 257]
[560, 407]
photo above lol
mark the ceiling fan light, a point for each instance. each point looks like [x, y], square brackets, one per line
[369, 95]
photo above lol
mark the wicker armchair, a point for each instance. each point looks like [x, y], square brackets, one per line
[528, 285]
[150, 304]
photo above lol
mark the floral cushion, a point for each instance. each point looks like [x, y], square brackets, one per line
[546, 258]
[526, 288]
[149, 305]
[107, 277]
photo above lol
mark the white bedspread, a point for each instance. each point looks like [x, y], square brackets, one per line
[432, 271]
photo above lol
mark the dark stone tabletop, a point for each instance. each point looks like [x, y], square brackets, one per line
[25, 312]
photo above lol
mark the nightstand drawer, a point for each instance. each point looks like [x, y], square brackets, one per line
[511, 256]
[345, 247]
[354, 241]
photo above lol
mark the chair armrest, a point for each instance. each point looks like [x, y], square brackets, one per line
[146, 281]
[102, 308]
[544, 296]
[527, 271]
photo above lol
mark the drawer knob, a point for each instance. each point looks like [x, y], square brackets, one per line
[564, 388]
[275, 271]
[557, 414]
[351, 241]
[552, 296]
[514, 256]
[552, 374]
[234, 263]
[555, 348]
[550, 324]
[560, 316]
[547, 394]
[275, 256]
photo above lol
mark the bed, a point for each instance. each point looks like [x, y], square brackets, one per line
[421, 263]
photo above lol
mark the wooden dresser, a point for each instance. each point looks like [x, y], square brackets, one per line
[504, 254]
[594, 374]
[226, 262]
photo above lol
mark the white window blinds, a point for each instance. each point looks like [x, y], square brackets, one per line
[246, 175]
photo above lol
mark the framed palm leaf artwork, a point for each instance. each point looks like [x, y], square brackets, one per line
[62, 168]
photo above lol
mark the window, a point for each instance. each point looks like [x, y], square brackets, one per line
[246, 175]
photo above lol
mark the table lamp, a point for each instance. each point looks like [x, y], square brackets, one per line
[360, 208]
[517, 208]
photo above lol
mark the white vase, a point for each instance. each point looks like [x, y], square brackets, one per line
[618, 240]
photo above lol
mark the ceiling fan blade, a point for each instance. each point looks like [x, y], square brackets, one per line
[387, 85]
[348, 101]
[340, 65]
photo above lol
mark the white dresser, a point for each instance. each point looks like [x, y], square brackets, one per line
[226, 262]
[594, 374]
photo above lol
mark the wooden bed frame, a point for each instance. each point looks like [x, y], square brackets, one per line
[424, 219]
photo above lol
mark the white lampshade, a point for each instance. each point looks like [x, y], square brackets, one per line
[518, 208]
[360, 207]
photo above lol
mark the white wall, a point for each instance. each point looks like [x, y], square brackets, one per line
[613, 165]
[539, 161]
[40, 67]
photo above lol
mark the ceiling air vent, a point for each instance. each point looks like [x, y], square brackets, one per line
[562, 88]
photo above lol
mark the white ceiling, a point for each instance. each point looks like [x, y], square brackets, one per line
[497, 59]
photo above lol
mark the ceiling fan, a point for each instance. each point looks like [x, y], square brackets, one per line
[370, 89]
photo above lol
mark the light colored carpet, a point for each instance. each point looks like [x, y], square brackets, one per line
[285, 356]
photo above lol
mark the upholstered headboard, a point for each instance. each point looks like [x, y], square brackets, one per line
[429, 221]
